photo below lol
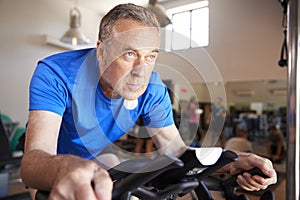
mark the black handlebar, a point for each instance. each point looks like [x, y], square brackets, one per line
[143, 175]
[232, 180]
[166, 177]
[229, 185]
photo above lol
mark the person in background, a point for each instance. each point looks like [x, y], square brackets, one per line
[218, 115]
[82, 101]
[275, 145]
[142, 138]
[239, 143]
[193, 119]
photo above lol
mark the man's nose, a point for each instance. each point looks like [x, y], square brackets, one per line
[139, 68]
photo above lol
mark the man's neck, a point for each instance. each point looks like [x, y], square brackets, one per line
[108, 90]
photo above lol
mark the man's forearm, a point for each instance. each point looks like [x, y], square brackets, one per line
[40, 169]
[168, 140]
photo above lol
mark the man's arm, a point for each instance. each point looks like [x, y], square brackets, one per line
[168, 140]
[67, 176]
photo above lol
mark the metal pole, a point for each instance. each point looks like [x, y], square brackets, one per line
[292, 164]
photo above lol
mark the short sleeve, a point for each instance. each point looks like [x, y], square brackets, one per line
[47, 89]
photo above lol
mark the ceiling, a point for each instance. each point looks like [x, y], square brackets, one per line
[106, 5]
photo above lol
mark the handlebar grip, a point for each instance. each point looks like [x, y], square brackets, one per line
[257, 171]
[232, 180]
[42, 195]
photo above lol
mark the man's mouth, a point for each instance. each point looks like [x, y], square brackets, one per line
[134, 87]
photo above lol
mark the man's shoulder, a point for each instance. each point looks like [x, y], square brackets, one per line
[64, 58]
[154, 77]
[155, 83]
[64, 63]
[71, 53]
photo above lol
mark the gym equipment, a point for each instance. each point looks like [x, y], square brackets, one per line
[167, 177]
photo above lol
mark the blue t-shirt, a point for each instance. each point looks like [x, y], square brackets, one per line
[68, 84]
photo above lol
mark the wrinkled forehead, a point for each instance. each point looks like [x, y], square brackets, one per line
[136, 39]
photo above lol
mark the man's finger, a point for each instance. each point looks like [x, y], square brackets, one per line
[103, 185]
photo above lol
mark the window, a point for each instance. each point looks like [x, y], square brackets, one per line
[190, 26]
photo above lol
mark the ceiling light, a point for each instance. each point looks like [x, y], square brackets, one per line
[159, 12]
[74, 36]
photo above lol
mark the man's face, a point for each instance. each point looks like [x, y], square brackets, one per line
[126, 60]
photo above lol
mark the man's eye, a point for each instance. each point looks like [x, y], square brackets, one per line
[129, 54]
[151, 57]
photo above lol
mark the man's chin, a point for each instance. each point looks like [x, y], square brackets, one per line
[132, 95]
[131, 98]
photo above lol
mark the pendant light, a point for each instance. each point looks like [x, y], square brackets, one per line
[159, 12]
[74, 36]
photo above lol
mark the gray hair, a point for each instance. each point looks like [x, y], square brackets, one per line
[126, 11]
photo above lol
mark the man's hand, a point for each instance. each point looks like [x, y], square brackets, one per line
[247, 161]
[66, 176]
[82, 180]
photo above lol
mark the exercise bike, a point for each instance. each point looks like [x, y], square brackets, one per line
[166, 177]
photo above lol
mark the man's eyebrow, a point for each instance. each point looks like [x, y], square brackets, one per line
[129, 48]
[155, 51]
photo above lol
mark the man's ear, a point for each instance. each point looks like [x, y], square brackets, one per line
[99, 42]
[101, 56]
[99, 49]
